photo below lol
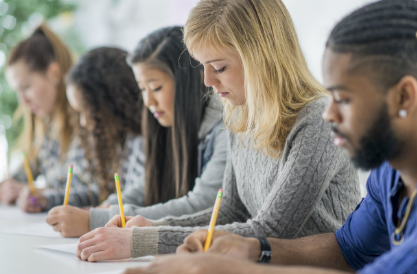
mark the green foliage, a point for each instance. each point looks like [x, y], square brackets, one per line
[15, 17]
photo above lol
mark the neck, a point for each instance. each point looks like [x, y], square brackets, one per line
[406, 163]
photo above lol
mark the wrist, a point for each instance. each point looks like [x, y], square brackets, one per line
[266, 252]
[43, 201]
[254, 250]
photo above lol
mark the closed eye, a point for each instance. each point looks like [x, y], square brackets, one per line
[220, 70]
[158, 88]
[342, 101]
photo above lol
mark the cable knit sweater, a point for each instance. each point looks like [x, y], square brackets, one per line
[310, 189]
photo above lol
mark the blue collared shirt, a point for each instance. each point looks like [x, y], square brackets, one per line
[365, 238]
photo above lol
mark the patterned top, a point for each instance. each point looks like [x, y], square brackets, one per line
[55, 171]
[84, 191]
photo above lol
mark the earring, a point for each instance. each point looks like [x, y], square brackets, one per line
[403, 113]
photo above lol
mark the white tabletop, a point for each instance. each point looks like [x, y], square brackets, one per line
[21, 253]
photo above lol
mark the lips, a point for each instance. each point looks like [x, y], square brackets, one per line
[158, 114]
[338, 140]
[222, 94]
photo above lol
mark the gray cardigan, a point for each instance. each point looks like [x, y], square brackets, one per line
[212, 153]
[310, 189]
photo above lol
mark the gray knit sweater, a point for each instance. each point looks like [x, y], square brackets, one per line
[310, 189]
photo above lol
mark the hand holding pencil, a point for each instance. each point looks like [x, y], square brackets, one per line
[29, 198]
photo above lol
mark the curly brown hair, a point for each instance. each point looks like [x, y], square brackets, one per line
[113, 103]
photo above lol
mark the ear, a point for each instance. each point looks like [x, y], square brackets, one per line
[53, 73]
[405, 94]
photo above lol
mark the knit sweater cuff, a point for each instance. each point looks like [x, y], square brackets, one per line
[144, 241]
[160, 222]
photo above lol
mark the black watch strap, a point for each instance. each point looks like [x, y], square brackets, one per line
[266, 252]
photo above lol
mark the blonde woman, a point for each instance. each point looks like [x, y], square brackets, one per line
[284, 178]
[35, 69]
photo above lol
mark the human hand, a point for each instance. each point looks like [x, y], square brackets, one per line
[30, 202]
[116, 221]
[69, 221]
[195, 264]
[223, 243]
[105, 243]
[9, 191]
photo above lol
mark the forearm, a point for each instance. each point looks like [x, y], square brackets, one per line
[318, 250]
[263, 269]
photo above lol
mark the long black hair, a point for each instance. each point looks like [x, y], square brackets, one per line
[384, 34]
[113, 102]
[171, 153]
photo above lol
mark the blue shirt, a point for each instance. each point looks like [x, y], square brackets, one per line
[365, 238]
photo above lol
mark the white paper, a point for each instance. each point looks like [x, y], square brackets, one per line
[41, 229]
[71, 248]
[14, 213]
[67, 248]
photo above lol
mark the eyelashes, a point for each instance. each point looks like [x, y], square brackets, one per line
[158, 88]
[220, 70]
[154, 90]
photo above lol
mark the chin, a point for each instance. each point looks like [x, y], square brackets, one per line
[235, 103]
[165, 123]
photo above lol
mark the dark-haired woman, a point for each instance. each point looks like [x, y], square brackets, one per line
[184, 140]
[102, 89]
[35, 69]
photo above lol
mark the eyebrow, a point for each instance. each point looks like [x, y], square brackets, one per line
[150, 80]
[212, 61]
[339, 88]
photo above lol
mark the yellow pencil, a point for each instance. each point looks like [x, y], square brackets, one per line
[67, 189]
[119, 196]
[29, 175]
[213, 220]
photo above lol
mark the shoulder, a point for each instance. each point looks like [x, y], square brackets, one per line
[310, 119]
[133, 140]
[212, 120]
[313, 111]
[381, 180]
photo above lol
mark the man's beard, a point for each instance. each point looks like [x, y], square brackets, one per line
[378, 145]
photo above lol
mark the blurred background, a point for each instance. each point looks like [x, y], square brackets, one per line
[83, 25]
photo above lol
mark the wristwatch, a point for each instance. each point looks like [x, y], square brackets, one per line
[266, 252]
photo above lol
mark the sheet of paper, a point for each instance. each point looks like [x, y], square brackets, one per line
[67, 248]
[71, 248]
[41, 229]
[14, 213]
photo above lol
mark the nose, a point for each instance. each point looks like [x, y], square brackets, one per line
[83, 121]
[25, 99]
[331, 114]
[210, 78]
[148, 98]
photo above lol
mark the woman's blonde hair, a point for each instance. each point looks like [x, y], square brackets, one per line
[38, 51]
[277, 81]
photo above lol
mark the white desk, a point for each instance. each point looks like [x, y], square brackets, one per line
[19, 253]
